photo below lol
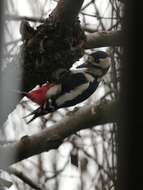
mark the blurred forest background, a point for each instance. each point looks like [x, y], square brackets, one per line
[88, 159]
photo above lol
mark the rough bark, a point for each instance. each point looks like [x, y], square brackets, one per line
[52, 137]
[55, 44]
[66, 11]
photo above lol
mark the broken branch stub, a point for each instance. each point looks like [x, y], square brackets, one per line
[51, 46]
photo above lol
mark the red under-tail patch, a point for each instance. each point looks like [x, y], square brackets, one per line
[39, 95]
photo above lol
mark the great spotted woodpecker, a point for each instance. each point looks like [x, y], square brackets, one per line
[74, 87]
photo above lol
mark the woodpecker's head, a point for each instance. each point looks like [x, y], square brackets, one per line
[97, 63]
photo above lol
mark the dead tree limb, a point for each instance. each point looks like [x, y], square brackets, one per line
[103, 39]
[52, 138]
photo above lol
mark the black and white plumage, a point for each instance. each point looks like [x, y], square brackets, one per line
[74, 87]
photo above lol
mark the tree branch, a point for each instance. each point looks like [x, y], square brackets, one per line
[51, 138]
[104, 39]
[20, 18]
[66, 11]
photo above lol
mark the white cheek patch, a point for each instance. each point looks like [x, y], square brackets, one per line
[54, 90]
[72, 94]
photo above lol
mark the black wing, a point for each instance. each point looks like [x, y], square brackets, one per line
[71, 80]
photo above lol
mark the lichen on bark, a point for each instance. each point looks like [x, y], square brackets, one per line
[49, 47]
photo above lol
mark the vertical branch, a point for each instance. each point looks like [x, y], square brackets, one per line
[66, 11]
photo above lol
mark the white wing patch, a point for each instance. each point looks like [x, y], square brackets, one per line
[72, 94]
